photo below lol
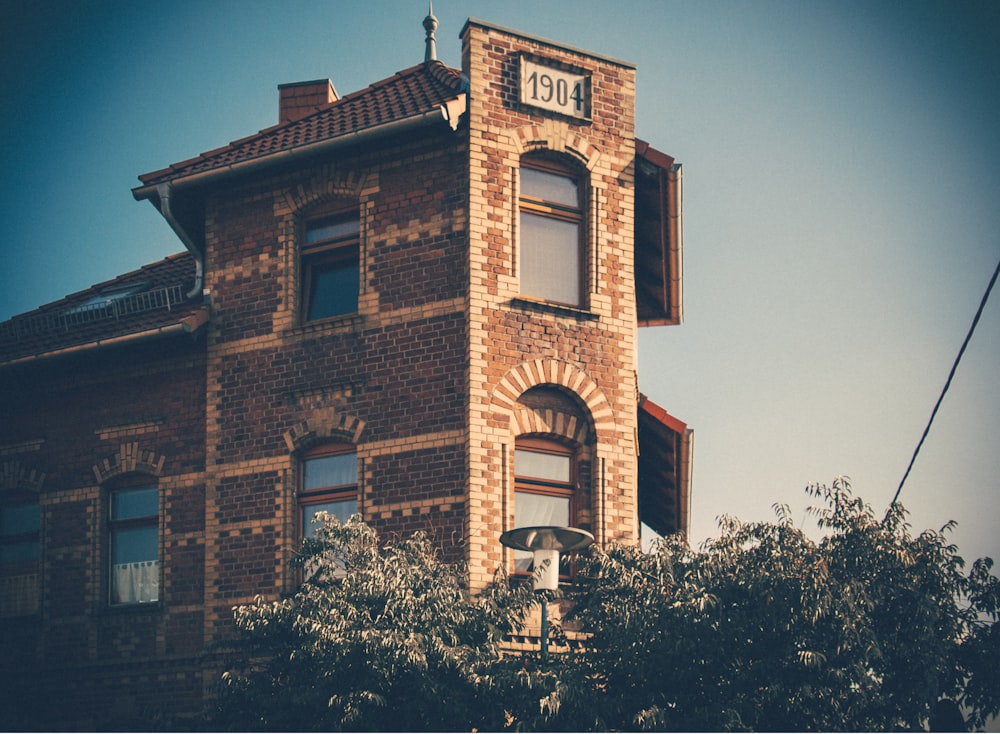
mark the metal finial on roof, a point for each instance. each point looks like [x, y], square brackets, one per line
[430, 25]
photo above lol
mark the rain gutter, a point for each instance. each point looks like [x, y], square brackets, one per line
[187, 325]
[450, 111]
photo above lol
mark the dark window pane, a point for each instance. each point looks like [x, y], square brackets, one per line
[332, 228]
[131, 503]
[20, 552]
[333, 290]
[133, 544]
[16, 519]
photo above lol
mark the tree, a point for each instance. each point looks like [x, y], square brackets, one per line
[767, 629]
[379, 637]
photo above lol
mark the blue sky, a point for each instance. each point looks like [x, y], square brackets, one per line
[840, 213]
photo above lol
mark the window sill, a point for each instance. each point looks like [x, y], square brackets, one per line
[534, 304]
[149, 607]
[345, 322]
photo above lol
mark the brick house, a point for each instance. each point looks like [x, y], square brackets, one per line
[419, 302]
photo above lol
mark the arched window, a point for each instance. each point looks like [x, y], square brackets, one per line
[329, 484]
[134, 541]
[544, 484]
[330, 265]
[552, 232]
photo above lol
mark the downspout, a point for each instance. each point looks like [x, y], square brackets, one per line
[675, 229]
[163, 190]
[686, 482]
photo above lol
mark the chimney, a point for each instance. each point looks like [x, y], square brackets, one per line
[298, 99]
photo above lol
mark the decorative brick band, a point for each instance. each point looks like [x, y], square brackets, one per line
[323, 425]
[129, 458]
[547, 371]
[15, 477]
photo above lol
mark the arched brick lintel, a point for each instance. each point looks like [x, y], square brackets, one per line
[547, 371]
[325, 186]
[130, 457]
[325, 424]
[15, 477]
[558, 137]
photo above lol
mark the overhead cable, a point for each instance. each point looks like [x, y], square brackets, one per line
[947, 384]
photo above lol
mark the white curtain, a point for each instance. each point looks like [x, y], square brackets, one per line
[137, 582]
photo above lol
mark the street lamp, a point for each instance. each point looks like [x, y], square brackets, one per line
[546, 542]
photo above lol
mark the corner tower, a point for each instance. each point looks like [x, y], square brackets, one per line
[552, 300]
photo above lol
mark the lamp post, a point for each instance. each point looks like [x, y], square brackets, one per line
[546, 542]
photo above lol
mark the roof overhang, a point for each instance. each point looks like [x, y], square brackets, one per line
[188, 210]
[658, 237]
[190, 324]
[665, 448]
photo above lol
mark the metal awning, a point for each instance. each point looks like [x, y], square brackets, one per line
[658, 237]
[665, 445]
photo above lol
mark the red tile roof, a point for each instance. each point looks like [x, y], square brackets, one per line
[155, 299]
[85, 318]
[412, 92]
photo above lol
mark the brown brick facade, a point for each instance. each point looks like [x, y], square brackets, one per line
[442, 369]
[88, 421]
[517, 344]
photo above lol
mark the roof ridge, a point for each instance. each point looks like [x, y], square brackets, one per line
[439, 79]
[445, 74]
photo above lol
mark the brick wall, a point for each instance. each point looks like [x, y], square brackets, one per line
[441, 370]
[390, 379]
[516, 344]
[74, 424]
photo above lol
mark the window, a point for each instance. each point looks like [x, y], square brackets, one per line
[109, 298]
[329, 484]
[20, 523]
[330, 266]
[134, 541]
[552, 233]
[544, 480]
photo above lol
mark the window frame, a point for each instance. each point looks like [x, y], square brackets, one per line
[32, 536]
[548, 487]
[313, 496]
[19, 579]
[558, 212]
[117, 525]
[337, 250]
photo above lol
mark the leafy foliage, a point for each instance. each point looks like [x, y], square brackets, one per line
[765, 628]
[378, 637]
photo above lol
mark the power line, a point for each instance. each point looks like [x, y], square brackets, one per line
[947, 384]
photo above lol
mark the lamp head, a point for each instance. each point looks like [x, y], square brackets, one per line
[546, 542]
